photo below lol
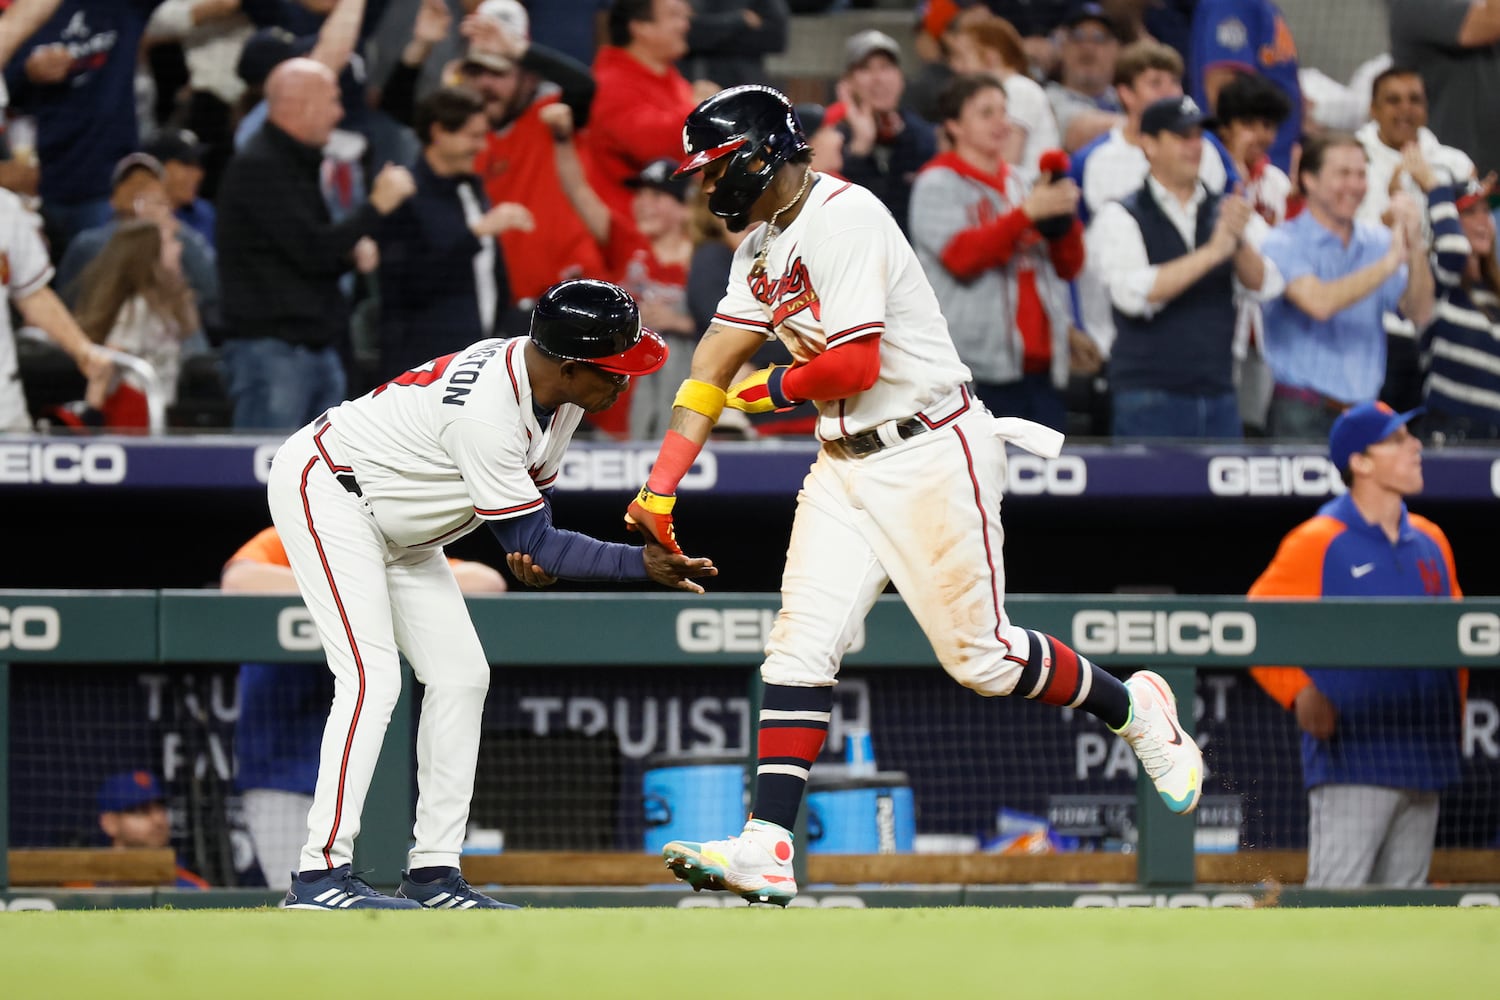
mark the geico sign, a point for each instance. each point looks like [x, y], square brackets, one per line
[1030, 475]
[30, 627]
[1479, 633]
[626, 469]
[1166, 901]
[733, 630]
[1181, 633]
[63, 463]
[1272, 476]
[295, 631]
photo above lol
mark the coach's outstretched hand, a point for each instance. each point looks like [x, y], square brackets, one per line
[673, 569]
[527, 572]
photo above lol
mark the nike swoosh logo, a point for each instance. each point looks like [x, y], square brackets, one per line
[1361, 570]
[1176, 739]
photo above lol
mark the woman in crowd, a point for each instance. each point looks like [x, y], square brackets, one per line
[134, 299]
[999, 252]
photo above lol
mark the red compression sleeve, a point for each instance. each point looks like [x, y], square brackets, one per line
[852, 367]
[1067, 253]
[672, 463]
[975, 250]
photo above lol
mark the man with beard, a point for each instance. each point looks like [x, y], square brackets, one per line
[516, 78]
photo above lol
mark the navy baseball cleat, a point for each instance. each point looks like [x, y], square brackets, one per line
[341, 889]
[448, 892]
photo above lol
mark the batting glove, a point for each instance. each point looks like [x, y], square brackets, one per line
[761, 392]
[651, 515]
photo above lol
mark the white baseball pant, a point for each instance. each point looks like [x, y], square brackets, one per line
[924, 514]
[371, 600]
[1363, 835]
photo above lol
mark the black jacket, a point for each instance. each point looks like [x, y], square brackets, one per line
[280, 255]
[429, 303]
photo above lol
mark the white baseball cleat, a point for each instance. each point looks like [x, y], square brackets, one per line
[1169, 755]
[756, 865]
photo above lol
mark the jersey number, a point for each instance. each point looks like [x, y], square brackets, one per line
[426, 375]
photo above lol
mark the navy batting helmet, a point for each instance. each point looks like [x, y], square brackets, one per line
[597, 323]
[758, 129]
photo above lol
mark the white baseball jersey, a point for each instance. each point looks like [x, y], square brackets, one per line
[24, 268]
[840, 271]
[455, 442]
[432, 452]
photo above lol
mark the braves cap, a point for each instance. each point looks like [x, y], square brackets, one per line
[176, 145]
[660, 176]
[865, 44]
[129, 790]
[1179, 115]
[1361, 426]
[130, 164]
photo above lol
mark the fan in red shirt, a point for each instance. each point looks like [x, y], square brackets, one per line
[517, 79]
[647, 250]
[642, 99]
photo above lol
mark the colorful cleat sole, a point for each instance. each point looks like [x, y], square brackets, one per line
[710, 872]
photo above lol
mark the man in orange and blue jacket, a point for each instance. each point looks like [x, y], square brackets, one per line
[1378, 745]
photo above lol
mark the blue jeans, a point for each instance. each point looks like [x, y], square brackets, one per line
[279, 386]
[1156, 413]
[1034, 397]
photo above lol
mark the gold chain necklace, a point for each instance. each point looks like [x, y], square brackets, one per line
[759, 267]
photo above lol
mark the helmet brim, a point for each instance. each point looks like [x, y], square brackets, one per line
[642, 358]
[698, 161]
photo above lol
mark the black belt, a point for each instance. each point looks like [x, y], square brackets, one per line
[868, 442]
[345, 479]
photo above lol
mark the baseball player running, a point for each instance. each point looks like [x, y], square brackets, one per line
[905, 489]
[366, 496]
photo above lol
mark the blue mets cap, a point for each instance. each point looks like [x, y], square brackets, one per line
[1361, 426]
[129, 790]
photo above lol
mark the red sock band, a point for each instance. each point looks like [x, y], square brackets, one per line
[672, 463]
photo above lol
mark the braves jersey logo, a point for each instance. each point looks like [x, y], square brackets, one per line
[787, 295]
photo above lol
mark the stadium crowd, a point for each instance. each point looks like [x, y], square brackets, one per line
[1142, 219]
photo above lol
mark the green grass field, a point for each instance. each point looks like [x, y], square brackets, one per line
[1411, 953]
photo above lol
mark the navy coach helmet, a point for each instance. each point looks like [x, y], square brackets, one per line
[598, 323]
[758, 129]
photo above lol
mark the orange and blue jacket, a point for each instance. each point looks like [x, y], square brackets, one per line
[1397, 727]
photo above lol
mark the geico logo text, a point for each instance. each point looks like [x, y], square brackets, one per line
[1479, 633]
[1029, 475]
[30, 627]
[1181, 633]
[63, 463]
[295, 631]
[733, 630]
[1167, 901]
[1272, 476]
[626, 469]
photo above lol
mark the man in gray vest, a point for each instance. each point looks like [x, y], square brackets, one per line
[1173, 257]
